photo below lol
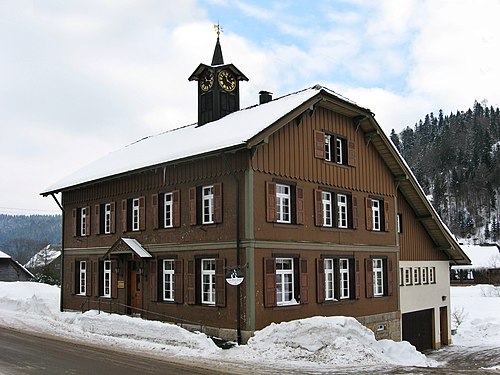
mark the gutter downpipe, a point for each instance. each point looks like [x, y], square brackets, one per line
[61, 308]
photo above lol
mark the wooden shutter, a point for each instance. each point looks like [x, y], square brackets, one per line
[191, 282]
[75, 280]
[218, 202]
[97, 221]
[320, 280]
[304, 281]
[142, 213]
[369, 277]
[154, 210]
[114, 280]
[112, 215]
[368, 214]
[178, 281]
[124, 215]
[355, 220]
[89, 221]
[271, 201]
[192, 206]
[153, 279]
[269, 282]
[390, 278]
[95, 278]
[386, 216]
[357, 279]
[299, 204]
[318, 207]
[176, 211]
[351, 154]
[88, 281]
[220, 283]
[319, 144]
[74, 222]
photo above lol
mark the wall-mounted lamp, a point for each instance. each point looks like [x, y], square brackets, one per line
[444, 298]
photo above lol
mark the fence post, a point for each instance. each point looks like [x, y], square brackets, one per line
[99, 305]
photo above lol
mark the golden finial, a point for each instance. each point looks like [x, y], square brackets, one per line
[218, 29]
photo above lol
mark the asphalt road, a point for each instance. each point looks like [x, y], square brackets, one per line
[25, 353]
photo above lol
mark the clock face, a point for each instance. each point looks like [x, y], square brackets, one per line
[206, 80]
[226, 80]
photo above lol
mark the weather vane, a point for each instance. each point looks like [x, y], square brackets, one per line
[218, 29]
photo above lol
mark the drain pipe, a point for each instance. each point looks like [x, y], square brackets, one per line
[61, 308]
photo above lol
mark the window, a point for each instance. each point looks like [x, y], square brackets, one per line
[416, 275]
[399, 223]
[337, 278]
[328, 147]
[378, 277]
[329, 280]
[167, 211]
[81, 221]
[330, 205]
[408, 276]
[168, 280]
[107, 278]
[344, 278]
[205, 204]
[285, 281]
[285, 203]
[206, 281]
[83, 278]
[134, 214]
[424, 275]
[377, 214]
[432, 275]
[335, 149]
[107, 218]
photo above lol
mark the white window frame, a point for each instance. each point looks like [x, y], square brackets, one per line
[207, 199]
[329, 266]
[283, 204]
[408, 276]
[107, 218]
[83, 221]
[168, 205]
[328, 147]
[398, 223]
[423, 277]
[326, 197]
[339, 151]
[83, 278]
[135, 214]
[285, 283]
[344, 279]
[416, 276]
[106, 279]
[168, 280]
[376, 215]
[342, 209]
[378, 277]
[208, 281]
[432, 275]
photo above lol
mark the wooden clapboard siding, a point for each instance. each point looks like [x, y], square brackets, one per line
[415, 243]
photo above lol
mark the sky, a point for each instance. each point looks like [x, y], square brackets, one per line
[82, 78]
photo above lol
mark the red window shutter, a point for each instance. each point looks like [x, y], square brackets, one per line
[154, 209]
[73, 222]
[318, 207]
[153, 280]
[176, 211]
[386, 216]
[142, 213]
[88, 281]
[89, 221]
[178, 281]
[299, 202]
[112, 220]
[304, 281]
[390, 278]
[351, 154]
[271, 201]
[357, 280]
[355, 221]
[191, 282]
[114, 279]
[192, 206]
[97, 221]
[218, 202]
[369, 214]
[320, 280]
[95, 278]
[269, 282]
[124, 215]
[220, 283]
[76, 281]
[319, 144]
[369, 277]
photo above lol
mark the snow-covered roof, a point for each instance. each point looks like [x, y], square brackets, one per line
[136, 247]
[4, 256]
[481, 256]
[230, 131]
[45, 256]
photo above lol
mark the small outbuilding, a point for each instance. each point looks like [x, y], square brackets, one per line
[11, 270]
[485, 267]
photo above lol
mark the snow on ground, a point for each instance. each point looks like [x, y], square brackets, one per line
[316, 344]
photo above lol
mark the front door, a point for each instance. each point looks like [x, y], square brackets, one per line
[135, 288]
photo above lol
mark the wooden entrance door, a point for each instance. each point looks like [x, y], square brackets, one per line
[135, 288]
[443, 325]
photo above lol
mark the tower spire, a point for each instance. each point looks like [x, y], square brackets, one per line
[217, 59]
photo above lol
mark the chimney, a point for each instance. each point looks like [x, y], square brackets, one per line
[265, 96]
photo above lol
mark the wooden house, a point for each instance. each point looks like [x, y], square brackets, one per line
[484, 267]
[301, 196]
[11, 270]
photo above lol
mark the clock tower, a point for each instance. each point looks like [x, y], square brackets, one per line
[218, 87]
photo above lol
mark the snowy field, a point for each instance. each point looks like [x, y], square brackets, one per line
[314, 345]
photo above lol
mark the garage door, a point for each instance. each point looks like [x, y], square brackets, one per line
[417, 329]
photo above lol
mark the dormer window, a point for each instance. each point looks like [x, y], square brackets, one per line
[334, 148]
